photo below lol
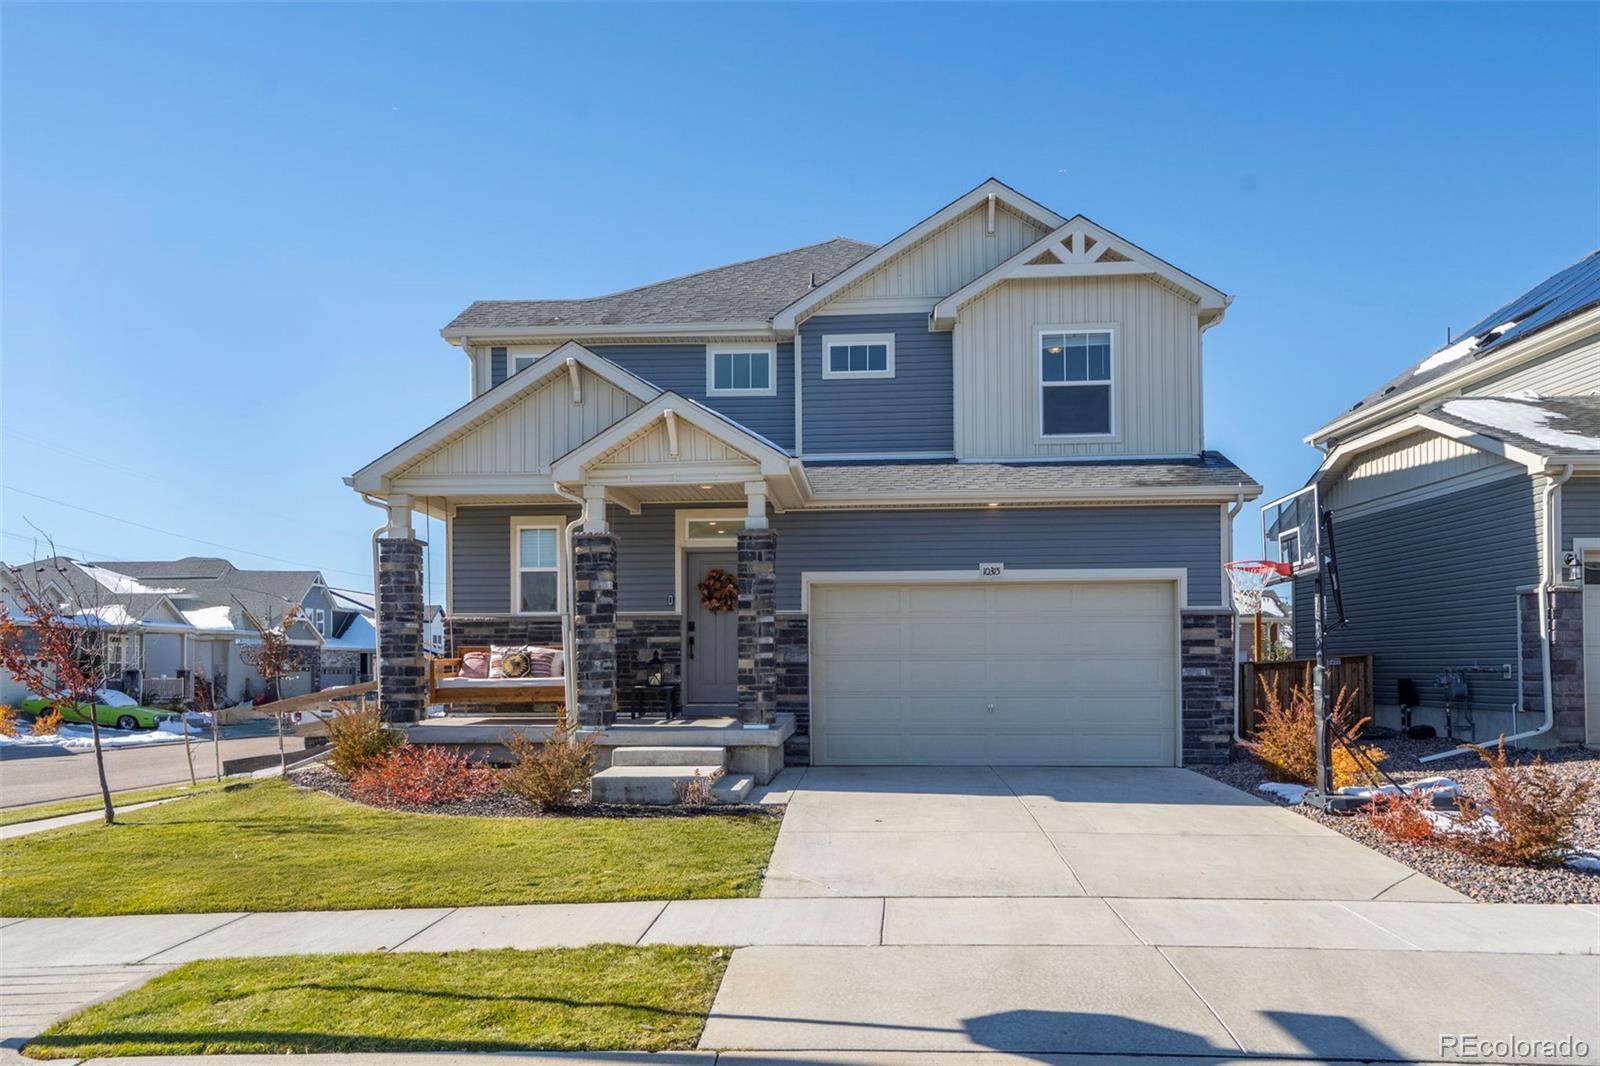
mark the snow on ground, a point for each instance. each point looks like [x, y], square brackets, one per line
[81, 738]
[1285, 792]
[1523, 419]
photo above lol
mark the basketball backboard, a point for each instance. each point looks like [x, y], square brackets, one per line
[1291, 532]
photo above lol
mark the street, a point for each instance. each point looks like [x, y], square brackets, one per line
[29, 775]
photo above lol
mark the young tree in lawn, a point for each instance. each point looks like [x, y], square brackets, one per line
[55, 644]
[272, 662]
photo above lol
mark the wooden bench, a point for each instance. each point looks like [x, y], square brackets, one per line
[447, 686]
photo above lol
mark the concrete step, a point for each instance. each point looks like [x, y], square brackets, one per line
[731, 789]
[645, 784]
[643, 756]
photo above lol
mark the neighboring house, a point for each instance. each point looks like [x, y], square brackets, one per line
[1277, 630]
[1466, 501]
[960, 479]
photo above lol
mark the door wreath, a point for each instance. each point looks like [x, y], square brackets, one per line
[719, 592]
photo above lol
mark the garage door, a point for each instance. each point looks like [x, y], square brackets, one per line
[995, 673]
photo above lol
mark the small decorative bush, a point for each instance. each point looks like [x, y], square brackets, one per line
[47, 724]
[358, 740]
[1528, 817]
[550, 775]
[1403, 818]
[8, 721]
[696, 792]
[421, 777]
[1286, 739]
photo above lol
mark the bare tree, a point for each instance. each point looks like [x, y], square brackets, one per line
[55, 645]
[272, 662]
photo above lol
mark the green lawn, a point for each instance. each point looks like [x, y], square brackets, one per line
[609, 997]
[13, 815]
[267, 846]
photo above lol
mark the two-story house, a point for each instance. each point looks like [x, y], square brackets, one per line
[957, 482]
[1465, 495]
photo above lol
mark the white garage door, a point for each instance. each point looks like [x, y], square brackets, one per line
[996, 673]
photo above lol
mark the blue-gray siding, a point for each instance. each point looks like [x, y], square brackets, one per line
[1031, 538]
[1432, 585]
[914, 411]
[1580, 510]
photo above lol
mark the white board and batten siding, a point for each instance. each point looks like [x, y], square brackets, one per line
[526, 436]
[1570, 371]
[1156, 367]
[1412, 463]
[1067, 673]
[647, 458]
[937, 265]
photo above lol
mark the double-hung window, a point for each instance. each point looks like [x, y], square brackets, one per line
[535, 565]
[741, 370]
[858, 355]
[1075, 383]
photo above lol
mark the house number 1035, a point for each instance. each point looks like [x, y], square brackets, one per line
[991, 569]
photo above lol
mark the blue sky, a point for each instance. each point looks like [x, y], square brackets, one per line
[231, 233]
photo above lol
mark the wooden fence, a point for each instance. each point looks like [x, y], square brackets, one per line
[1352, 672]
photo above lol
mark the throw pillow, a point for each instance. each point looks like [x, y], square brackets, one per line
[475, 664]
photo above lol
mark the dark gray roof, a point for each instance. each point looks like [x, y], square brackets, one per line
[1209, 470]
[190, 566]
[1574, 289]
[751, 291]
[1544, 425]
[212, 582]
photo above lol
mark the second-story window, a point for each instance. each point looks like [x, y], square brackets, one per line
[858, 355]
[741, 370]
[1075, 383]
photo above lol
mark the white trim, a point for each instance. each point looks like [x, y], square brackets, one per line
[512, 360]
[884, 305]
[832, 340]
[683, 543]
[1110, 383]
[1035, 460]
[534, 334]
[808, 578]
[786, 319]
[517, 523]
[834, 457]
[769, 350]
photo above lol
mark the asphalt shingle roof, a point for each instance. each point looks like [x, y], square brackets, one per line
[1559, 296]
[1544, 425]
[751, 291]
[1210, 469]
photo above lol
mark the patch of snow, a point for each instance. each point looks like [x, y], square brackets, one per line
[112, 698]
[1522, 419]
[122, 584]
[81, 738]
[1442, 786]
[111, 614]
[209, 617]
[1448, 354]
[1289, 793]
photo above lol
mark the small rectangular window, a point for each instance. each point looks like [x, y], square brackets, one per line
[1075, 383]
[741, 370]
[520, 363]
[858, 355]
[536, 566]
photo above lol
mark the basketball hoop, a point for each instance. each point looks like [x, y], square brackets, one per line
[1250, 578]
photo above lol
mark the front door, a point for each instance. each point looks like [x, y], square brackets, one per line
[711, 638]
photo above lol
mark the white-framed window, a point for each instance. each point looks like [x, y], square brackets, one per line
[742, 370]
[115, 655]
[858, 355]
[520, 363]
[536, 565]
[1077, 395]
[321, 616]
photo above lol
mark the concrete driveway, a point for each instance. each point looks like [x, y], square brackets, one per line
[977, 831]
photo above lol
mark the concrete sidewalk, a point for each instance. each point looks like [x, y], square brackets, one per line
[686, 1058]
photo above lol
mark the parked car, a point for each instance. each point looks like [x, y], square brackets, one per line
[112, 708]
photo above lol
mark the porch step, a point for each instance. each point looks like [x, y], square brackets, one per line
[643, 756]
[645, 784]
[730, 789]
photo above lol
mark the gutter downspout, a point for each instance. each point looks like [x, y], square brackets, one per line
[569, 649]
[1547, 578]
[1238, 705]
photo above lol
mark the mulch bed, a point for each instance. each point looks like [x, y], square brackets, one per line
[1481, 881]
[502, 804]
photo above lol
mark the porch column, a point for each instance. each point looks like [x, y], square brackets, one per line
[758, 625]
[594, 626]
[402, 671]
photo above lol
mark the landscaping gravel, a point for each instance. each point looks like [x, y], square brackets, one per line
[502, 804]
[1481, 881]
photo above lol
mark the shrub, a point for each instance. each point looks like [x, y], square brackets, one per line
[47, 724]
[1286, 739]
[1403, 818]
[421, 777]
[1532, 807]
[552, 774]
[696, 792]
[358, 740]
[8, 721]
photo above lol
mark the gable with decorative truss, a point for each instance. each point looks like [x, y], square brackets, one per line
[1082, 249]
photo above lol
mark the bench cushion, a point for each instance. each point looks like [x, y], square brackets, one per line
[447, 683]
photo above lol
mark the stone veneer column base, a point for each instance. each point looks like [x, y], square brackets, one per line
[1566, 660]
[794, 683]
[594, 626]
[1208, 686]
[402, 677]
[758, 626]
